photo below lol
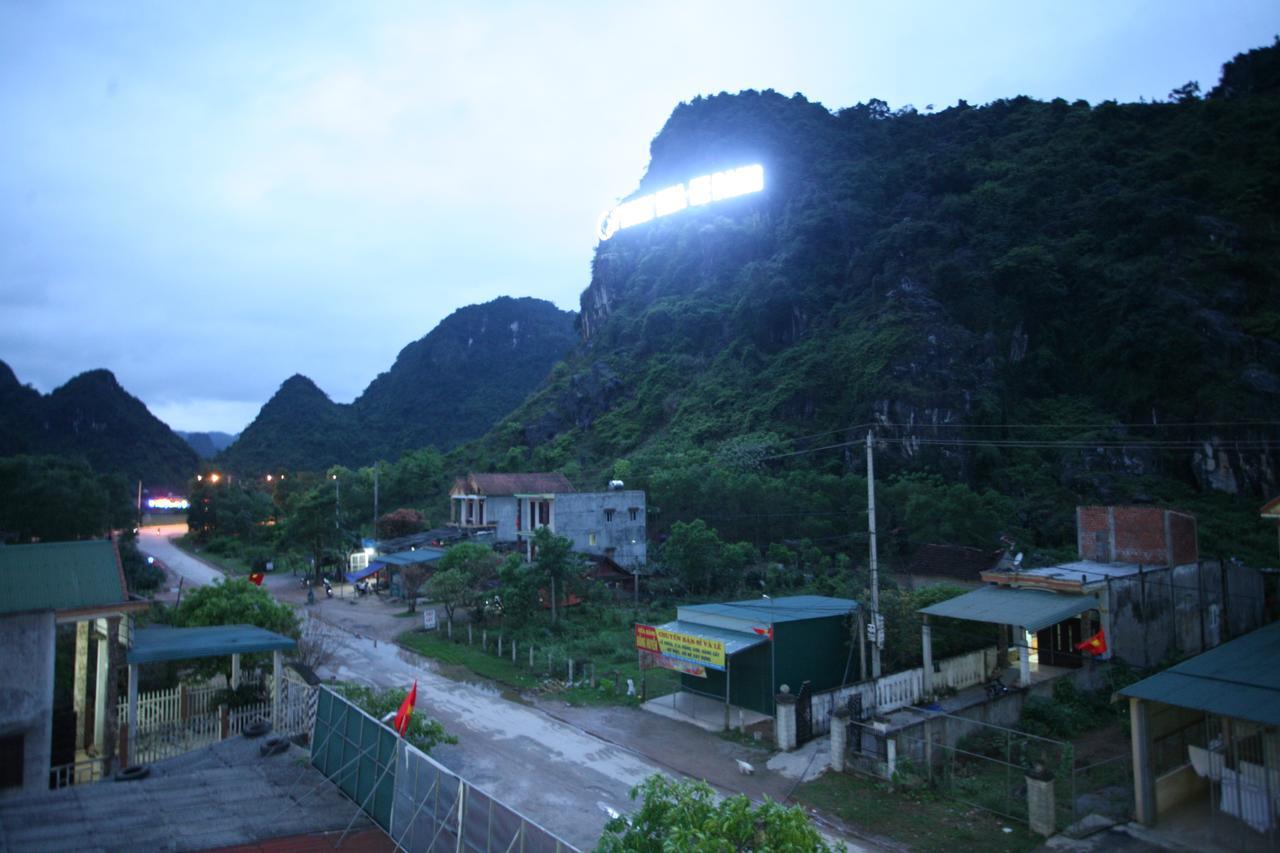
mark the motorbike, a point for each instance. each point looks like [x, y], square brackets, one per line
[996, 688]
[328, 588]
[363, 587]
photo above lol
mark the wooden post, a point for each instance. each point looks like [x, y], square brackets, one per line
[530, 656]
[513, 651]
[484, 640]
[468, 633]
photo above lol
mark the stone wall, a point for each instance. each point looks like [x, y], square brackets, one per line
[26, 692]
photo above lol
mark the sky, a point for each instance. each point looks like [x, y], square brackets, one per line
[208, 197]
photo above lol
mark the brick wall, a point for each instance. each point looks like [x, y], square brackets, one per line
[1148, 535]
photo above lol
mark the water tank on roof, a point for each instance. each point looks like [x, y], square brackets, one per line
[615, 485]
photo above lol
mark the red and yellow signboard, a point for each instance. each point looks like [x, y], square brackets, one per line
[701, 651]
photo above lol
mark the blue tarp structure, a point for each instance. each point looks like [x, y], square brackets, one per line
[151, 645]
[418, 556]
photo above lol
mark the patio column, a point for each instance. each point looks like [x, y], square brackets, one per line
[926, 644]
[80, 688]
[1144, 783]
[100, 688]
[277, 678]
[235, 672]
[1024, 657]
[131, 721]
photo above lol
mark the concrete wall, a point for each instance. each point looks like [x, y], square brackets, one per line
[502, 510]
[1181, 611]
[26, 692]
[578, 515]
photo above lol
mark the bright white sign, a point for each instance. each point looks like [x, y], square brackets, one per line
[704, 190]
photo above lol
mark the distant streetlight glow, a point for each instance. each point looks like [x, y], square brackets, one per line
[719, 186]
[213, 478]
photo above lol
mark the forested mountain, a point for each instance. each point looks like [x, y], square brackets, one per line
[207, 444]
[450, 386]
[93, 418]
[1023, 299]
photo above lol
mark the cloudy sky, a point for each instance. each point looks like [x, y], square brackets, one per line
[207, 197]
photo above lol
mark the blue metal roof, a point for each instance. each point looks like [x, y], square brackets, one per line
[160, 644]
[1033, 609]
[792, 608]
[1238, 679]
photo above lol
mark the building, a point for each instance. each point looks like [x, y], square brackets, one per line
[513, 506]
[1139, 586]
[1206, 746]
[741, 652]
[47, 585]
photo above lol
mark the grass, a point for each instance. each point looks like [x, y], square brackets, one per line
[920, 820]
[231, 565]
[601, 637]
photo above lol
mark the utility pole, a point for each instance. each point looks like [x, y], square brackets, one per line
[375, 502]
[875, 577]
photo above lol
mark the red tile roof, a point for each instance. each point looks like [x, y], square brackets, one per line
[511, 484]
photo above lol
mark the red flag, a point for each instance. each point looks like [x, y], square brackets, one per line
[257, 578]
[1095, 645]
[401, 724]
[764, 632]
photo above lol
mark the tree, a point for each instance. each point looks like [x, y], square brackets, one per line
[412, 576]
[234, 602]
[552, 564]
[693, 551]
[400, 522]
[680, 815]
[517, 590]
[55, 499]
[451, 588]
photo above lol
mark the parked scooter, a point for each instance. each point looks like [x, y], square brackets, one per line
[362, 587]
[997, 688]
[328, 588]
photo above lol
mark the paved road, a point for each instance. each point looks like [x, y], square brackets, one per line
[538, 760]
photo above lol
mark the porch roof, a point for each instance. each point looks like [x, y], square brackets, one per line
[160, 644]
[1033, 609]
[734, 641]
[1238, 679]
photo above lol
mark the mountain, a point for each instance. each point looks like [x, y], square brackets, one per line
[207, 444]
[92, 417]
[1101, 273]
[450, 386]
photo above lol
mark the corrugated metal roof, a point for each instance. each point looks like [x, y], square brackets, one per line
[1031, 608]
[407, 558]
[160, 644]
[791, 608]
[734, 641]
[1238, 679]
[60, 576]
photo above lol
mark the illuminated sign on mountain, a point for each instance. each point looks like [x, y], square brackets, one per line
[699, 191]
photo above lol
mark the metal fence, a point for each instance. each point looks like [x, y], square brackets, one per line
[986, 766]
[417, 801]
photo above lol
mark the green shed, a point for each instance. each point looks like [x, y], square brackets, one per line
[769, 642]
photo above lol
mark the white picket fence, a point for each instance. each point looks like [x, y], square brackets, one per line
[165, 730]
[891, 692]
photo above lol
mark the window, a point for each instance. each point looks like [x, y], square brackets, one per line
[608, 515]
[12, 762]
[635, 513]
[591, 539]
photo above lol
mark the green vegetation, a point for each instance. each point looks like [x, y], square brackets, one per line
[423, 732]
[919, 819]
[232, 602]
[448, 387]
[50, 498]
[678, 815]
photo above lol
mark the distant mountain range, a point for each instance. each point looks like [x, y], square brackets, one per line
[92, 417]
[207, 444]
[450, 386]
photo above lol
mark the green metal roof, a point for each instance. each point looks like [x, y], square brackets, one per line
[1238, 679]
[1001, 605]
[160, 644]
[60, 576]
[792, 608]
[734, 641]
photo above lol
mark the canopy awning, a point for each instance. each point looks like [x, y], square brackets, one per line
[361, 574]
[417, 556]
[1033, 609]
[734, 641]
[151, 645]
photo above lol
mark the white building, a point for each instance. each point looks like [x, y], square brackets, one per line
[513, 506]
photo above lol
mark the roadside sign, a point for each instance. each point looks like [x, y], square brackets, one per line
[653, 660]
[691, 648]
[429, 620]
